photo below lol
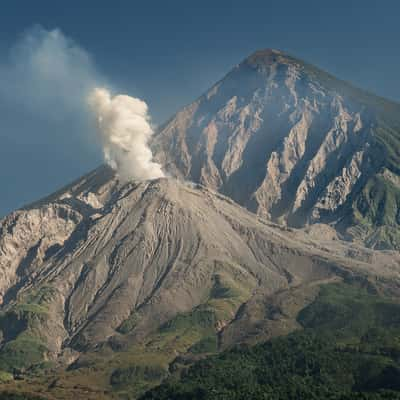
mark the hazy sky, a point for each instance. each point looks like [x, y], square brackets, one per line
[165, 52]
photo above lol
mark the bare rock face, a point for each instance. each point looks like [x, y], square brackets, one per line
[338, 190]
[283, 139]
[29, 237]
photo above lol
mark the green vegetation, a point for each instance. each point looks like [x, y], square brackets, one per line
[377, 208]
[41, 297]
[18, 396]
[21, 325]
[142, 367]
[200, 318]
[193, 334]
[388, 137]
[5, 377]
[129, 368]
[349, 312]
[349, 349]
[206, 345]
[144, 373]
[379, 202]
[129, 324]
[22, 353]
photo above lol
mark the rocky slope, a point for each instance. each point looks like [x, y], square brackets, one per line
[292, 143]
[117, 282]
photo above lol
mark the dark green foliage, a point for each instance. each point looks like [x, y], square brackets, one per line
[201, 317]
[379, 202]
[349, 349]
[221, 290]
[388, 137]
[349, 313]
[122, 376]
[129, 324]
[381, 395]
[18, 396]
[20, 326]
[207, 345]
[22, 353]
[377, 209]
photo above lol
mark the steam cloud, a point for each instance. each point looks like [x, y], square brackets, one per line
[124, 127]
[45, 80]
[46, 133]
[49, 75]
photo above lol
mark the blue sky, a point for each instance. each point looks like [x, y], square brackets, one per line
[167, 53]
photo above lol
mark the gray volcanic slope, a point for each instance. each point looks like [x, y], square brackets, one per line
[78, 265]
[292, 143]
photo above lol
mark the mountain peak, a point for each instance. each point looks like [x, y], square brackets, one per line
[302, 146]
[267, 52]
[268, 57]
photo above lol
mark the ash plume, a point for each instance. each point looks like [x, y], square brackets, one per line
[125, 129]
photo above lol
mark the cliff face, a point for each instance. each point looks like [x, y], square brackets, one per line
[287, 141]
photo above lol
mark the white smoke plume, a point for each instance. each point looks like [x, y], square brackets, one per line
[124, 127]
[46, 135]
[46, 70]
